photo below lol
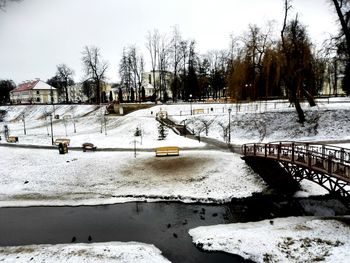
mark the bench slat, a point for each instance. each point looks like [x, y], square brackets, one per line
[167, 150]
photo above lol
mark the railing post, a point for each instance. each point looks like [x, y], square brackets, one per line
[330, 163]
[342, 153]
[279, 150]
[245, 149]
[265, 150]
[254, 150]
[323, 151]
[292, 152]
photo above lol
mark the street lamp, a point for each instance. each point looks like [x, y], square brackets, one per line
[24, 124]
[191, 103]
[229, 125]
[50, 114]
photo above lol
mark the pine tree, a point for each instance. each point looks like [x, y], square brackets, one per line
[163, 132]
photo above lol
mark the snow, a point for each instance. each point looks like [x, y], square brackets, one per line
[33, 177]
[249, 122]
[95, 252]
[254, 123]
[89, 126]
[36, 177]
[293, 239]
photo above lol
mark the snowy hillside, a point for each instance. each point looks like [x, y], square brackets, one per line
[253, 122]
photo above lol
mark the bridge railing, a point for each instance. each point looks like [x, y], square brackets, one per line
[325, 158]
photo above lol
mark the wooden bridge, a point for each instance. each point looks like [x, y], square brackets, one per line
[326, 165]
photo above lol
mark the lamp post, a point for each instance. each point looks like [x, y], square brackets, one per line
[24, 124]
[50, 115]
[229, 125]
[191, 103]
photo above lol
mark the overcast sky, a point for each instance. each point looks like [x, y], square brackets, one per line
[37, 35]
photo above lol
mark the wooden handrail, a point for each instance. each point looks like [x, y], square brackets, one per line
[332, 160]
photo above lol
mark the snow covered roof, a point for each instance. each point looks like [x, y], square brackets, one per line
[36, 84]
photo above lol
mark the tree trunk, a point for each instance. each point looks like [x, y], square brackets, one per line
[309, 97]
[343, 23]
[298, 108]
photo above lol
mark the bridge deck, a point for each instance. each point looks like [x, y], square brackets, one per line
[334, 161]
[326, 165]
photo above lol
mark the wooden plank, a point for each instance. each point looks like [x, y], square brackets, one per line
[62, 140]
[167, 150]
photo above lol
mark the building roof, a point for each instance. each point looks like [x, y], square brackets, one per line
[33, 85]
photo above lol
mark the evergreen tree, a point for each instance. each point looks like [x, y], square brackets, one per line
[162, 132]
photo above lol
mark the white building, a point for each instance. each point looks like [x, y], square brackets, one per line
[148, 82]
[34, 91]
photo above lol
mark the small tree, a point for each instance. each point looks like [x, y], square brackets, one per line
[120, 95]
[206, 124]
[162, 132]
[224, 128]
[137, 132]
[5, 87]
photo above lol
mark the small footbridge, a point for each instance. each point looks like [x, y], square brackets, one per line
[291, 162]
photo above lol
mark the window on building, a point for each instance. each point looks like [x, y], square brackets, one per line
[37, 99]
[37, 92]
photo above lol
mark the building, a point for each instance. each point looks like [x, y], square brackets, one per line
[163, 80]
[34, 91]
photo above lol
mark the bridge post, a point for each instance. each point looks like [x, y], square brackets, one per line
[292, 152]
[265, 150]
[254, 150]
[342, 153]
[245, 149]
[330, 163]
[279, 150]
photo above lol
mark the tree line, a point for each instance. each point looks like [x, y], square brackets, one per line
[265, 61]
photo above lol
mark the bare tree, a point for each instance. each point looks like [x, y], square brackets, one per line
[126, 73]
[342, 8]
[131, 70]
[137, 66]
[297, 60]
[224, 128]
[175, 60]
[152, 45]
[206, 124]
[163, 63]
[65, 75]
[95, 68]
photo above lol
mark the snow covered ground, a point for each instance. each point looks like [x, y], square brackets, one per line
[259, 123]
[249, 122]
[111, 132]
[75, 253]
[292, 239]
[44, 177]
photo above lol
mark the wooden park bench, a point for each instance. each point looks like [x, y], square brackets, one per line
[88, 147]
[63, 141]
[12, 139]
[197, 111]
[167, 151]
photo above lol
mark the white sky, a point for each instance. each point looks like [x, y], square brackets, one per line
[37, 35]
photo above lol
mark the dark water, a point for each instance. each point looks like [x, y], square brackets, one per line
[163, 224]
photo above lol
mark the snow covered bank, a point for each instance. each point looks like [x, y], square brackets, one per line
[321, 124]
[117, 252]
[86, 123]
[293, 239]
[44, 177]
